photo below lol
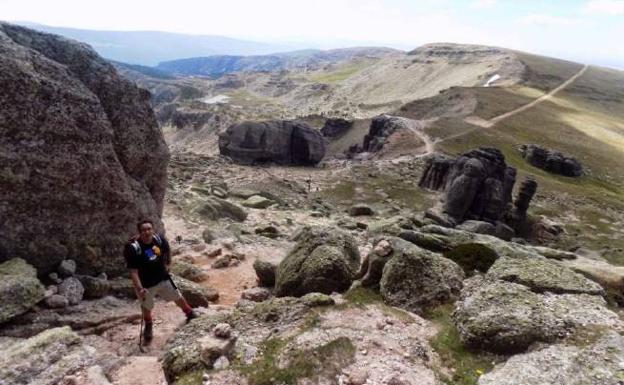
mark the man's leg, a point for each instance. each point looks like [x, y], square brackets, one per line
[146, 309]
[170, 293]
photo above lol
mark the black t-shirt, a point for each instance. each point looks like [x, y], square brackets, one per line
[150, 262]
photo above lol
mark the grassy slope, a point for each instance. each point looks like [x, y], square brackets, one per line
[585, 120]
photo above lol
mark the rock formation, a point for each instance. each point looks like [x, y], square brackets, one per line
[335, 127]
[478, 188]
[324, 260]
[285, 142]
[551, 160]
[82, 155]
[381, 128]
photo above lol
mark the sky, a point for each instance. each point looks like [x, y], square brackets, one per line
[588, 31]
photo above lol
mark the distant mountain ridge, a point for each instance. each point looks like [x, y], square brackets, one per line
[152, 47]
[217, 65]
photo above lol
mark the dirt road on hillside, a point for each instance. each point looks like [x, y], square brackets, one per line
[475, 120]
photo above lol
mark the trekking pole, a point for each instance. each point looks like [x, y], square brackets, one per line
[141, 336]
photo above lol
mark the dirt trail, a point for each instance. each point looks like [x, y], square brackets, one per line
[475, 120]
[418, 128]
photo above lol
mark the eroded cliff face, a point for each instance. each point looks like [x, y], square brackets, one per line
[81, 155]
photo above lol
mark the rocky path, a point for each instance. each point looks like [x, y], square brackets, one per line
[475, 120]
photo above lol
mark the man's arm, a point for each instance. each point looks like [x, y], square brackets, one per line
[134, 271]
[136, 282]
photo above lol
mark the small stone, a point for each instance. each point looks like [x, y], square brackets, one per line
[256, 294]
[67, 268]
[357, 377]
[222, 262]
[383, 248]
[223, 330]
[213, 253]
[54, 278]
[72, 289]
[380, 325]
[56, 301]
[211, 348]
[221, 363]
[361, 210]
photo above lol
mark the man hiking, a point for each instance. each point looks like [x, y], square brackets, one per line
[148, 258]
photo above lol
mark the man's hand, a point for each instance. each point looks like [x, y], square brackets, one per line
[141, 293]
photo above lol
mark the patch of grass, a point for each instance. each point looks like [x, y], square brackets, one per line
[472, 256]
[468, 366]
[361, 296]
[325, 360]
[194, 377]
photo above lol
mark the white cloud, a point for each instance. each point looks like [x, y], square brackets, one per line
[484, 3]
[548, 20]
[606, 7]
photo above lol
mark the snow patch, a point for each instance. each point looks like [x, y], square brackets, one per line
[492, 80]
[216, 99]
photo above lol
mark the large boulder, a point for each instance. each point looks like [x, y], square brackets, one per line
[323, 260]
[196, 295]
[551, 160]
[44, 359]
[283, 141]
[20, 289]
[505, 317]
[415, 279]
[597, 362]
[213, 208]
[83, 157]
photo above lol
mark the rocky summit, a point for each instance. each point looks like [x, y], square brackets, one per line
[83, 158]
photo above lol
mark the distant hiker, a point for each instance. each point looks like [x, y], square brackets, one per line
[148, 258]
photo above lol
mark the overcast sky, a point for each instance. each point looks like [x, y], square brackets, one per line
[583, 30]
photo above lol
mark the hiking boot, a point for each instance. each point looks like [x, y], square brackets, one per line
[191, 315]
[148, 333]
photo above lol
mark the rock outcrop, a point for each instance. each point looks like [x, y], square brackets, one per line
[284, 142]
[478, 186]
[83, 157]
[324, 260]
[597, 362]
[381, 128]
[551, 160]
[506, 317]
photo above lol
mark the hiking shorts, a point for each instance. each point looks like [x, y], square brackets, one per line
[164, 290]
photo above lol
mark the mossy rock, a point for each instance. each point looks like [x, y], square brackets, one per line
[20, 289]
[188, 271]
[196, 295]
[472, 256]
[266, 272]
[324, 260]
[214, 208]
[416, 279]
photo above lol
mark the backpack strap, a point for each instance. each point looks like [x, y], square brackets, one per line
[136, 247]
[158, 240]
